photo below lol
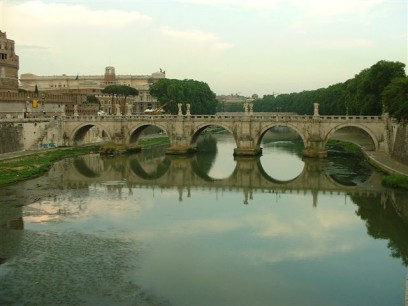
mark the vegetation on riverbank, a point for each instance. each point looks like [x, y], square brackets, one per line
[153, 141]
[396, 181]
[343, 146]
[26, 167]
[392, 181]
[29, 166]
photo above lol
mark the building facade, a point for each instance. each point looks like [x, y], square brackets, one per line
[32, 103]
[9, 64]
[81, 86]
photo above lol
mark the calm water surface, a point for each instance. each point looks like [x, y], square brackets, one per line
[205, 230]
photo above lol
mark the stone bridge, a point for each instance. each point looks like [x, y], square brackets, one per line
[185, 175]
[247, 128]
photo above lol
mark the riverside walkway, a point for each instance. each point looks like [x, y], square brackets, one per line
[387, 164]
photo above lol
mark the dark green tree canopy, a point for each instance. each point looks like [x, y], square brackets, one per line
[92, 100]
[198, 94]
[361, 95]
[395, 98]
[120, 90]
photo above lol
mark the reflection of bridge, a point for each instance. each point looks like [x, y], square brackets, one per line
[247, 129]
[185, 174]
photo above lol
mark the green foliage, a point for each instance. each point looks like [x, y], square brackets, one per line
[26, 167]
[344, 146]
[361, 95]
[153, 141]
[120, 90]
[396, 181]
[395, 98]
[202, 100]
[91, 99]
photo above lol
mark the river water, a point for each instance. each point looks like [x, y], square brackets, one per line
[150, 229]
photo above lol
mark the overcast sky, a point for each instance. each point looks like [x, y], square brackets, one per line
[236, 46]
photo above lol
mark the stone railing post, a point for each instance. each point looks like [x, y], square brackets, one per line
[180, 112]
[316, 110]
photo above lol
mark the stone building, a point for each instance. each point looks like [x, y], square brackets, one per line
[9, 64]
[81, 86]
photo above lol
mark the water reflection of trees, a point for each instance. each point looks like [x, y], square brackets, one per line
[348, 169]
[386, 218]
[207, 146]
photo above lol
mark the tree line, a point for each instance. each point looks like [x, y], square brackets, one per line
[172, 91]
[381, 88]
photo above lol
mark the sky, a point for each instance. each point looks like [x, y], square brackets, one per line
[240, 47]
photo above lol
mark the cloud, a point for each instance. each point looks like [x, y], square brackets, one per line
[32, 47]
[335, 7]
[195, 37]
[257, 4]
[41, 14]
[347, 44]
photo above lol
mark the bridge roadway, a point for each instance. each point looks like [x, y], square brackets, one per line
[185, 174]
[247, 129]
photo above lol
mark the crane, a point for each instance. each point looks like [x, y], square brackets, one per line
[155, 111]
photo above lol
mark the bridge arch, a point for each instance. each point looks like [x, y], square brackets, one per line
[358, 126]
[136, 131]
[198, 129]
[272, 125]
[80, 132]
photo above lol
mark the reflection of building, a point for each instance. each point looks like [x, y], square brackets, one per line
[8, 64]
[82, 85]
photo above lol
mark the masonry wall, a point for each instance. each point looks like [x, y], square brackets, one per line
[17, 136]
[401, 144]
[11, 137]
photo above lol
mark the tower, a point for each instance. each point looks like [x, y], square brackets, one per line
[9, 64]
[110, 76]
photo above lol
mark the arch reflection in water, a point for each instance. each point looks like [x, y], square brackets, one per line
[282, 153]
[215, 153]
[153, 170]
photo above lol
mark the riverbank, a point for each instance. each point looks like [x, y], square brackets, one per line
[24, 165]
[20, 166]
[397, 171]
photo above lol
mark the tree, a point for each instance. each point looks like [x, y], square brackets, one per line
[198, 94]
[92, 100]
[361, 95]
[395, 98]
[120, 90]
[364, 91]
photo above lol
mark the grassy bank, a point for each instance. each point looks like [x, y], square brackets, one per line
[396, 181]
[29, 166]
[344, 146]
[154, 141]
[392, 180]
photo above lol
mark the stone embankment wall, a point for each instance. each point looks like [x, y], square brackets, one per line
[400, 151]
[11, 137]
[31, 134]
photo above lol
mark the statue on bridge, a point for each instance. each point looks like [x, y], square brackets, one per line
[117, 106]
[128, 109]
